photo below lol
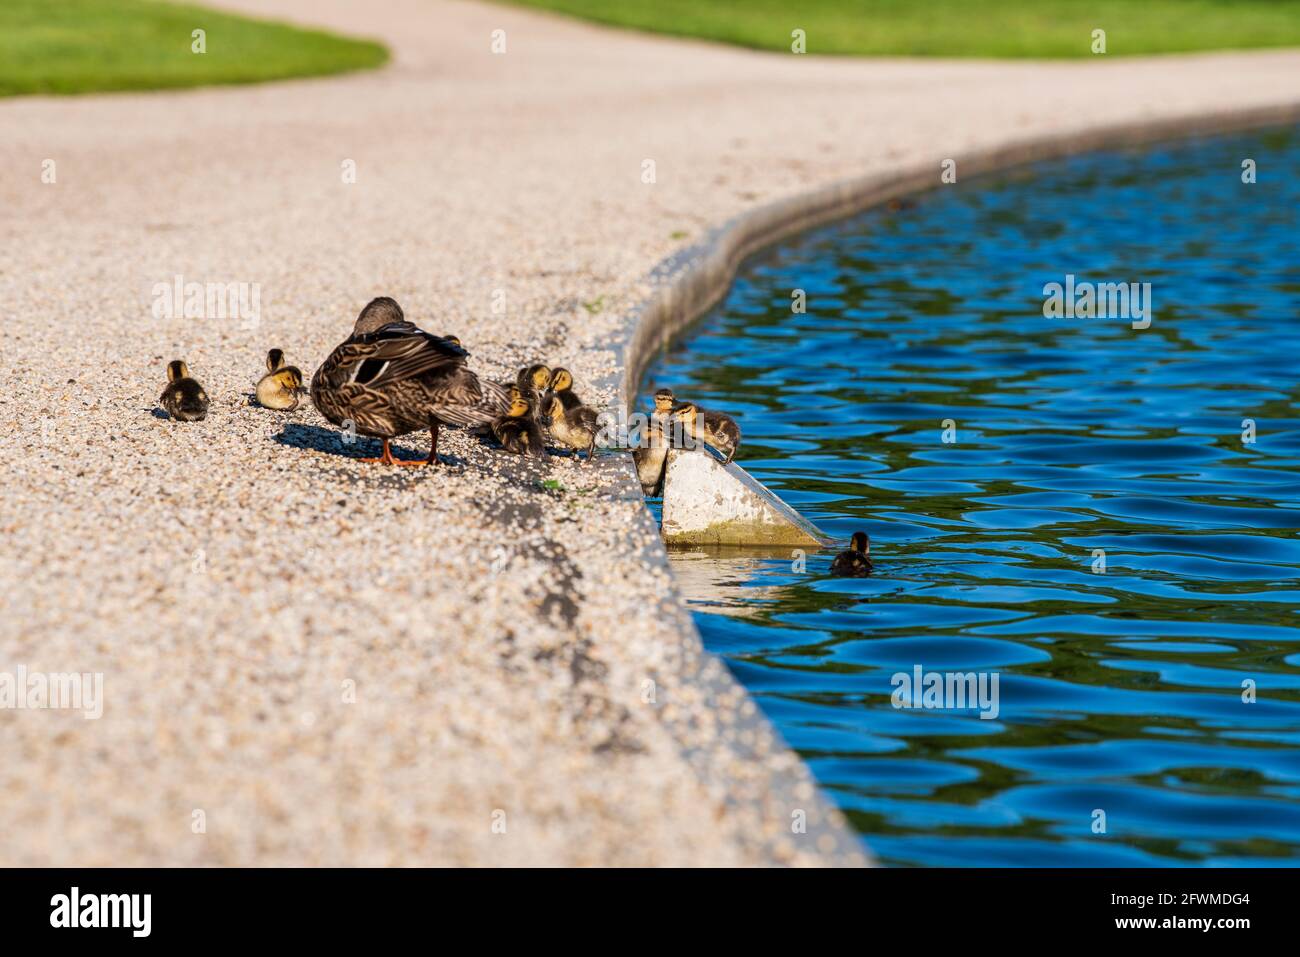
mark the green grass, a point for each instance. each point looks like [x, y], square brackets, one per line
[86, 46]
[959, 28]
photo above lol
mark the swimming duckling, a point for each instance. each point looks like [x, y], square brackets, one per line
[184, 399]
[517, 430]
[715, 428]
[282, 384]
[854, 563]
[575, 427]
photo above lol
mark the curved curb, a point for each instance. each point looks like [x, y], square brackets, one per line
[690, 282]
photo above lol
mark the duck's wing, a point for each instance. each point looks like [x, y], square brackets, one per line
[400, 351]
[588, 418]
[464, 399]
[363, 377]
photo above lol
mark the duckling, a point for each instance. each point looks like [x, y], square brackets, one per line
[517, 430]
[534, 381]
[561, 380]
[664, 403]
[650, 458]
[282, 384]
[184, 399]
[715, 428]
[651, 454]
[575, 427]
[390, 377]
[562, 385]
[855, 562]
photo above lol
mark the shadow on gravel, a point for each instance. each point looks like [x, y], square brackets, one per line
[330, 441]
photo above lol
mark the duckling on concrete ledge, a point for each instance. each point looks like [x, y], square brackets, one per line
[184, 399]
[575, 427]
[713, 428]
[517, 430]
[854, 563]
[562, 385]
[650, 458]
[533, 382]
[664, 403]
[282, 384]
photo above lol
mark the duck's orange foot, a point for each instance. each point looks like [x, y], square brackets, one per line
[385, 459]
[433, 450]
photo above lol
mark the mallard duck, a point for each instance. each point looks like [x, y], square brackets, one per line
[575, 427]
[390, 377]
[854, 563]
[714, 428]
[517, 430]
[184, 399]
[282, 384]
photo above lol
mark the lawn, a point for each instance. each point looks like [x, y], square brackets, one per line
[959, 28]
[84, 46]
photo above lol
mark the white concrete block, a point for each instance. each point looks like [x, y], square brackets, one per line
[709, 503]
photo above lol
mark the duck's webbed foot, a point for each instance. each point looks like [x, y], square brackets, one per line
[433, 450]
[386, 458]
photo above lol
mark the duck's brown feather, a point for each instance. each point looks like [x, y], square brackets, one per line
[400, 378]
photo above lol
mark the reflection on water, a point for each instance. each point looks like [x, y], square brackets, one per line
[729, 581]
[1075, 440]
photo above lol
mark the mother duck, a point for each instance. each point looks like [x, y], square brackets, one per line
[390, 377]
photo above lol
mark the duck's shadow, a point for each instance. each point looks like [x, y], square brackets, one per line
[343, 449]
[348, 448]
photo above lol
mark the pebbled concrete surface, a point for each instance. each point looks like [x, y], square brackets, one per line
[338, 664]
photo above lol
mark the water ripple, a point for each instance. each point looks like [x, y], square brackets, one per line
[1163, 689]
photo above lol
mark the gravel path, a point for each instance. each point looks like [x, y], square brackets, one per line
[342, 664]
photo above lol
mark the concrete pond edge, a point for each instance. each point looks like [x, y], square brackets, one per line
[688, 284]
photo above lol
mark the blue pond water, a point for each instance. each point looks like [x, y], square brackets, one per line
[1121, 691]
